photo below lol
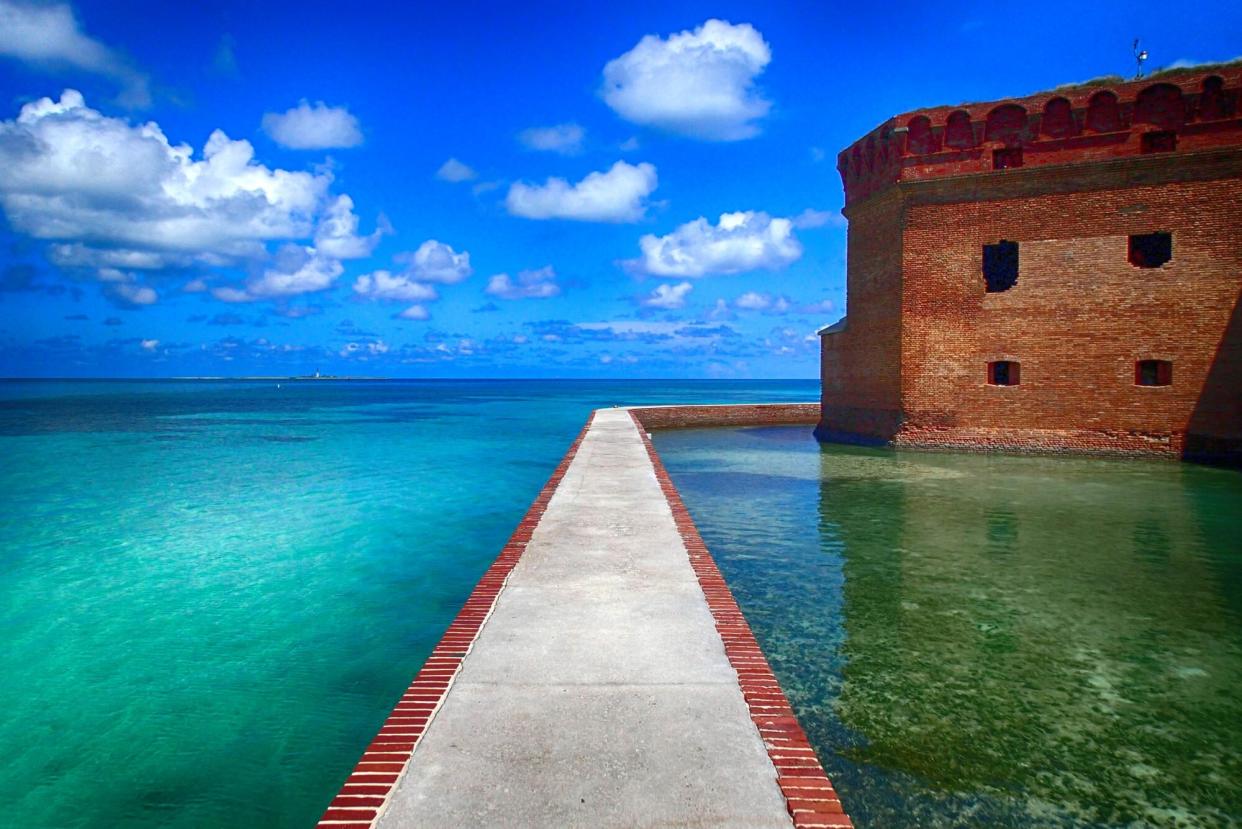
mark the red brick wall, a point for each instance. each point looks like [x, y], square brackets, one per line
[860, 366]
[911, 365]
[1080, 314]
[690, 417]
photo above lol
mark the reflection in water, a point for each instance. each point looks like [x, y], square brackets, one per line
[990, 640]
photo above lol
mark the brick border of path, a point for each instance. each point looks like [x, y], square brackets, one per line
[370, 785]
[808, 792]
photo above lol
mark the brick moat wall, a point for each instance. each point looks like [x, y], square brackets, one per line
[760, 414]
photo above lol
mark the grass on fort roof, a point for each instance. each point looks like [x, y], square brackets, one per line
[1114, 80]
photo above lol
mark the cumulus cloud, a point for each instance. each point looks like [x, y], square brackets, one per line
[415, 312]
[124, 288]
[617, 195]
[150, 345]
[313, 127]
[811, 218]
[535, 284]
[337, 233]
[743, 241]
[562, 138]
[50, 36]
[755, 301]
[122, 195]
[296, 270]
[699, 84]
[433, 262]
[669, 296]
[385, 285]
[109, 196]
[437, 262]
[455, 171]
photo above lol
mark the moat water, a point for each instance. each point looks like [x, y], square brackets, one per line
[212, 593]
[975, 640]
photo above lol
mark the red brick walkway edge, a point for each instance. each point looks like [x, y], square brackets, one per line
[809, 795]
[369, 786]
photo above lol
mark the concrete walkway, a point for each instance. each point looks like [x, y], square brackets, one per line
[599, 692]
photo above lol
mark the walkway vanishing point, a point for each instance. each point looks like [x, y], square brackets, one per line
[599, 675]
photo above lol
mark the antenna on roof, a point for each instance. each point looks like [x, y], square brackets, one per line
[1140, 55]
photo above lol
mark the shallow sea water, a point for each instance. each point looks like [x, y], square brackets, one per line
[974, 640]
[212, 593]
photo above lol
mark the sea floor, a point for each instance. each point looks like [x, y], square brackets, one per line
[989, 640]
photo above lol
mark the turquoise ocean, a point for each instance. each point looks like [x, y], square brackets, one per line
[212, 593]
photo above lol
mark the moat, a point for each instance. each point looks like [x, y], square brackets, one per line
[989, 640]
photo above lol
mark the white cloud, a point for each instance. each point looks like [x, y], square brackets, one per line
[296, 270]
[455, 171]
[414, 312]
[754, 301]
[384, 285]
[436, 262]
[826, 306]
[562, 138]
[124, 288]
[669, 296]
[50, 36]
[337, 233]
[743, 241]
[150, 345]
[618, 195]
[811, 218]
[699, 84]
[535, 284]
[111, 194]
[317, 127]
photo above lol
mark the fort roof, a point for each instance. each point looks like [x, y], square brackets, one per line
[1179, 110]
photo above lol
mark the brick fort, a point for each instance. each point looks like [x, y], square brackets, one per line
[1059, 272]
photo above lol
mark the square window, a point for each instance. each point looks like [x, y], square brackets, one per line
[1153, 373]
[1164, 141]
[1004, 373]
[1150, 250]
[1000, 266]
[1007, 158]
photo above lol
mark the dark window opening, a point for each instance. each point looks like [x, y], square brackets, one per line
[1000, 266]
[1163, 141]
[1004, 373]
[1150, 250]
[1004, 159]
[1153, 373]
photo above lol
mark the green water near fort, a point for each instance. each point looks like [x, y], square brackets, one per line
[975, 640]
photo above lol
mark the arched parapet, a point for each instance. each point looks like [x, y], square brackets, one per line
[1162, 106]
[1006, 124]
[1175, 112]
[1058, 119]
[959, 132]
[1104, 112]
[1215, 103]
[921, 139]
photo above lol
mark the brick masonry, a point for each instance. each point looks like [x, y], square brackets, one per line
[922, 198]
[754, 414]
[809, 795]
[367, 790]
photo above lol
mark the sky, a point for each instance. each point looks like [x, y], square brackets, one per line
[477, 190]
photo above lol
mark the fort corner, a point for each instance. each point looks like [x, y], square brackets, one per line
[1058, 272]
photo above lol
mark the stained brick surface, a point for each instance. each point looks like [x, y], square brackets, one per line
[910, 366]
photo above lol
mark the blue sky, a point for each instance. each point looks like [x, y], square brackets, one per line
[477, 190]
